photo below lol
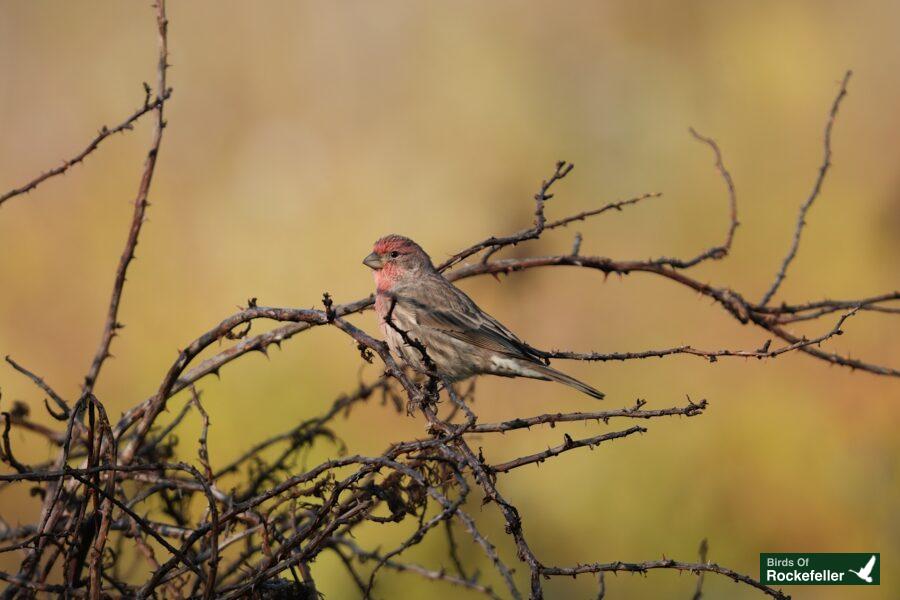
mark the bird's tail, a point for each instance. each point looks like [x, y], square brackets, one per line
[554, 375]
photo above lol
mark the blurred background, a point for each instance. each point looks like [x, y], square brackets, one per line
[300, 132]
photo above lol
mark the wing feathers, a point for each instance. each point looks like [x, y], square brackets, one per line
[432, 308]
[468, 323]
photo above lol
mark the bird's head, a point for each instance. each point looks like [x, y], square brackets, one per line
[394, 257]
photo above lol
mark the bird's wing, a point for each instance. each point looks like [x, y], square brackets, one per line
[449, 311]
[867, 570]
[479, 331]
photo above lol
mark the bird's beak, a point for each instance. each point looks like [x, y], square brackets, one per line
[373, 261]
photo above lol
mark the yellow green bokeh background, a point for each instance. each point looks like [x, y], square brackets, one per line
[300, 132]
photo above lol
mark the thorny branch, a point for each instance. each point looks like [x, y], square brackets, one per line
[817, 188]
[149, 105]
[255, 526]
[140, 203]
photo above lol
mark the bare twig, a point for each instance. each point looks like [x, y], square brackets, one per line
[618, 566]
[104, 132]
[817, 188]
[637, 412]
[57, 399]
[140, 203]
[618, 205]
[563, 168]
[568, 444]
[763, 352]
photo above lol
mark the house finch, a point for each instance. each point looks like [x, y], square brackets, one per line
[460, 339]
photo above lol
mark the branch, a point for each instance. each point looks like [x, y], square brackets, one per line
[618, 205]
[643, 567]
[711, 355]
[60, 403]
[637, 412]
[104, 133]
[140, 205]
[563, 168]
[568, 444]
[817, 188]
[716, 252]
[728, 299]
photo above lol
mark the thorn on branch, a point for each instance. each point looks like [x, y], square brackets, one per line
[365, 352]
[638, 405]
[239, 334]
[329, 307]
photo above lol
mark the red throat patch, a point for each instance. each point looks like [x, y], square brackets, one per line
[386, 276]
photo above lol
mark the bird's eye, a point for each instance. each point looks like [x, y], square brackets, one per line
[395, 254]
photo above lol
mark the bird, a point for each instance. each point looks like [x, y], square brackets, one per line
[866, 572]
[420, 310]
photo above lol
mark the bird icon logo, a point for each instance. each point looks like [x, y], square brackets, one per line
[866, 572]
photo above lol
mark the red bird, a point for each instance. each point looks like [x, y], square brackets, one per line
[460, 339]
